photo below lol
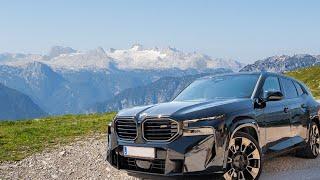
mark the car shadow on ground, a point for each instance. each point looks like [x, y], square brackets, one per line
[191, 177]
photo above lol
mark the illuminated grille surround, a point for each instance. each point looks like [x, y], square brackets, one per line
[174, 132]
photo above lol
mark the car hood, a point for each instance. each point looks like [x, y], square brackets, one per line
[187, 109]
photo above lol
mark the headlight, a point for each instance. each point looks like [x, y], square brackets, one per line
[198, 131]
[201, 130]
[186, 123]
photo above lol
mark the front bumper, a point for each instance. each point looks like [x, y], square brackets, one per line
[184, 155]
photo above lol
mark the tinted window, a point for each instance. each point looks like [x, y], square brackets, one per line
[240, 86]
[299, 89]
[289, 88]
[271, 84]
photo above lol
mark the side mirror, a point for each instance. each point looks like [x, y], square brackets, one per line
[273, 96]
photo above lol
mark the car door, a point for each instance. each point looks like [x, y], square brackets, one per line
[276, 117]
[298, 115]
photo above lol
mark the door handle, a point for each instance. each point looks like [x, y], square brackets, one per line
[286, 109]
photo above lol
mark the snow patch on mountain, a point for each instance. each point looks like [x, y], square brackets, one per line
[17, 57]
[135, 58]
[94, 59]
[138, 57]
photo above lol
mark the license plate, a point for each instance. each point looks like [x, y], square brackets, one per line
[142, 152]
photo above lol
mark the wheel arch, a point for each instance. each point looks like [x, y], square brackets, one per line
[247, 125]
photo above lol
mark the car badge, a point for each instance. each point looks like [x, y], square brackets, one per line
[163, 126]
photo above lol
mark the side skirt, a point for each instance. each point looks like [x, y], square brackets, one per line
[271, 154]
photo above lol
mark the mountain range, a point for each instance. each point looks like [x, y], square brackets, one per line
[16, 105]
[69, 81]
[283, 63]
[134, 58]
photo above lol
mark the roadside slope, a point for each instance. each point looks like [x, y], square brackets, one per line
[83, 159]
[20, 139]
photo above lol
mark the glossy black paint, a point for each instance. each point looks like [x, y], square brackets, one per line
[278, 126]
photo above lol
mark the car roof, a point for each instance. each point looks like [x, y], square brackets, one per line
[232, 74]
[262, 73]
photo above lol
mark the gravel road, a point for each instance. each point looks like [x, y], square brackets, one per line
[85, 159]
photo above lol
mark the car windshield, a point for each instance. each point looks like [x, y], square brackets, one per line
[229, 86]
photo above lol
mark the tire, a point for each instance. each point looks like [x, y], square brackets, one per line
[311, 150]
[244, 158]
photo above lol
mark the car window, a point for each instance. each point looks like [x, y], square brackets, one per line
[220, 87]
[271, 84]
[289, 88]
[299, 89]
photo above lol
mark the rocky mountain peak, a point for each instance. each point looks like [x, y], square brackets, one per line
[58, 50]
[100, 50]
[137, 47]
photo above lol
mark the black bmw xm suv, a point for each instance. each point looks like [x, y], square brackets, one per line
[222, 124]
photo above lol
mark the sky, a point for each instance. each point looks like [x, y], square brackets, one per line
[243, 30]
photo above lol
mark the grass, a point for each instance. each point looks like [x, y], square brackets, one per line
[19, 139]
[310, 76]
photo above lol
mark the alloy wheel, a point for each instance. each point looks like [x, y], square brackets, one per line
[314, 139]
[243, 161]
